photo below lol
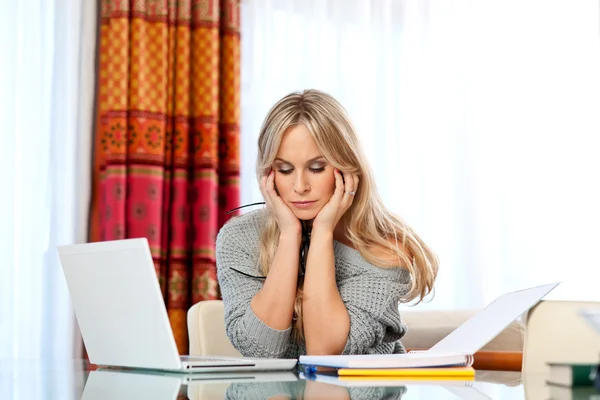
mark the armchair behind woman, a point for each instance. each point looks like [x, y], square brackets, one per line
[206, 328]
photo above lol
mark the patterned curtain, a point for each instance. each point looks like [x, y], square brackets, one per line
[167, 132]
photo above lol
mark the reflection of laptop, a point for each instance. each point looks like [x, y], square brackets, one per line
[114, 385]
[148, 385]
[122, 315]
[211, 377]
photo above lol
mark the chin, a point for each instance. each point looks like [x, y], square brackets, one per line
[305, 215]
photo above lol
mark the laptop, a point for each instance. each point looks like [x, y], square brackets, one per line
[122, 316]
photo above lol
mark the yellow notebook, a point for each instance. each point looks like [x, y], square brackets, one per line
[392, 381]
[426, 373]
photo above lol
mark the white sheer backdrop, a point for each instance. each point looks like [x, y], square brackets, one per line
[480, 119]
[46, 103]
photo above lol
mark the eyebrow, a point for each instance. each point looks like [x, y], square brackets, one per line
[318, 158]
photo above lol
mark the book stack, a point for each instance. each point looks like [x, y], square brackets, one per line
[563, 328]
[574, 381]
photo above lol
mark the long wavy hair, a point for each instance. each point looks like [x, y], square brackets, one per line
[367, 222]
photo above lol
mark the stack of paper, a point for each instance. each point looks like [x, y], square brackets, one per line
[455, 350]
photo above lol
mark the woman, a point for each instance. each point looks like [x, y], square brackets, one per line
[321, 270]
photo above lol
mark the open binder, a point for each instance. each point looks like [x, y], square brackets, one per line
[456, 349]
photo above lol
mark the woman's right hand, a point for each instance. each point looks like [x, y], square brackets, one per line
[286, 220]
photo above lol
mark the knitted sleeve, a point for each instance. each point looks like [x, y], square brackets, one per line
[240, 280]
[371, 296]
[263, 390]
[372, 304]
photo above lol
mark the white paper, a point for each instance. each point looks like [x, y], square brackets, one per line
[409, 360]
[484, 326]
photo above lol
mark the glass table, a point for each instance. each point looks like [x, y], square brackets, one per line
[70, 380]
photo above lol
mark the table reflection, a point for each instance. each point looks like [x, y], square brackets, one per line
[120, 385]
[74, 381]
[310, 389]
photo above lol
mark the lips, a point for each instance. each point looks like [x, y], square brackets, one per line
[303, 204]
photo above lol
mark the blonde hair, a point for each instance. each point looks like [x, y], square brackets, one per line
[367, 222]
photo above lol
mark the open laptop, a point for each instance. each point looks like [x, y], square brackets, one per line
[122, 316]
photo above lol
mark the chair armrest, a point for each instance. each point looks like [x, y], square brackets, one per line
[193, 325]
[206, 330]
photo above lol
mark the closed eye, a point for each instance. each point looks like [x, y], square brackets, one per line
[312, 170]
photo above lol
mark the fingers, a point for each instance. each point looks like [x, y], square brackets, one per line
[350, 188]
[339, 184]
[271, 196]
[349, 185]
[270, 186]
[267, 187]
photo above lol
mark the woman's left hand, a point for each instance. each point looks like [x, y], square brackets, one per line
[340, 202]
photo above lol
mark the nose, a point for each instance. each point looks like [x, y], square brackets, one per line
[301, 184]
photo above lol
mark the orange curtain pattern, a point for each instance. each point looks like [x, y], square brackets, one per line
[166, 158]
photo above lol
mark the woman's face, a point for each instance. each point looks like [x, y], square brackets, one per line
[303, 177]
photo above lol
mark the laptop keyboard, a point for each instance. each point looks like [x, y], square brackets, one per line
[213, 360]
[208, 362]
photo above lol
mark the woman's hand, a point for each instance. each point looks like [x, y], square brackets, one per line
[342, 199]
[286, 220]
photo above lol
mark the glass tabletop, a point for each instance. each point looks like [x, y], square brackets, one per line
[70, 380]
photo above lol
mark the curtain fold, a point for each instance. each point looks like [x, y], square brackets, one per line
[46, 105]
[167, 156]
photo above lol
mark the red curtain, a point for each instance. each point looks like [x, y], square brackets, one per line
[166, 163]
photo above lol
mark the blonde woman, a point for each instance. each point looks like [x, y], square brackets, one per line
[322, 268]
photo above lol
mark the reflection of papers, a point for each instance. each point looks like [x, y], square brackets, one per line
[593, 318]
[467, 393]
[505, 378]
[462, 389]
[379, 382]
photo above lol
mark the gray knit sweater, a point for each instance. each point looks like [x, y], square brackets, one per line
[370, 294]
[296, 389]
